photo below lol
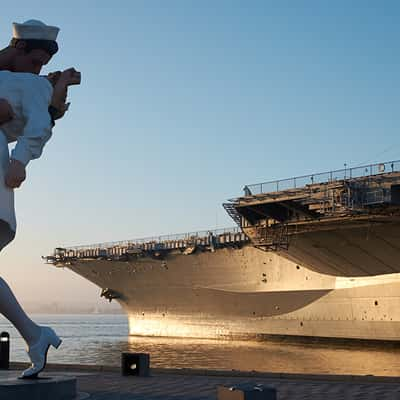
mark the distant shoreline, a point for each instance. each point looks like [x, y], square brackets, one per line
[72, 312]
[113, 312]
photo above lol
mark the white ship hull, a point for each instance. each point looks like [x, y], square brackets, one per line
[241, 292]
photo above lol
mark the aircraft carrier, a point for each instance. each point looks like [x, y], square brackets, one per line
[312, 256]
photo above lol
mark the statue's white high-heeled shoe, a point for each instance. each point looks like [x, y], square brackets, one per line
[38, 352]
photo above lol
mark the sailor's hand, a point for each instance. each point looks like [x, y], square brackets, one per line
[15, 175]
[59, 111]
[6, 112]
[70, 77]
[53, 77]
[58, 100]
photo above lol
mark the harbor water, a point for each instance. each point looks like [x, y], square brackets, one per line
[100, 339]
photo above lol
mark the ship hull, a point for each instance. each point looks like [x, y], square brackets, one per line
[245, 292]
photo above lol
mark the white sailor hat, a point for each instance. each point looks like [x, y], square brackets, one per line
[34, 29]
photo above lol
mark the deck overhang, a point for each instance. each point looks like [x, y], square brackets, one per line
[344, 227]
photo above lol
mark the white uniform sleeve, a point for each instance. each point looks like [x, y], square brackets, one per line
[36, 98]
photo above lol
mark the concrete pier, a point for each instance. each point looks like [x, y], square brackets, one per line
[107, 383]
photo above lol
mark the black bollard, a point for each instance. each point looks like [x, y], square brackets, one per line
[137, 364]
[4, 350]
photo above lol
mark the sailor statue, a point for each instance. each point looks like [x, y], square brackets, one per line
[29, 106]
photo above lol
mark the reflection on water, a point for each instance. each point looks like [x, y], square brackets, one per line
[99, 339]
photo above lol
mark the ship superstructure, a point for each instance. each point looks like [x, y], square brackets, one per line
[343, 223]
[262, 277]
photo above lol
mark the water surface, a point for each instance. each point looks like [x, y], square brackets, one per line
[100, 339]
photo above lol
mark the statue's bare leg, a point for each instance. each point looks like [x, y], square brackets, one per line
[38, 338]
[12, 310]
[9, 305]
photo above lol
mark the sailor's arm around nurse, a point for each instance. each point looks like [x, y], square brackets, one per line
[49, 104]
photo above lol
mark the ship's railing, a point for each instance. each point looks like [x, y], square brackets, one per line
[324, 177]
[178, 237]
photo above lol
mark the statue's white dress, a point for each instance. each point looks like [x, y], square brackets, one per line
[30, 96]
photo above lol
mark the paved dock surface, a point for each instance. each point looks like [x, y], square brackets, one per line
[108, 384]
[111, 386]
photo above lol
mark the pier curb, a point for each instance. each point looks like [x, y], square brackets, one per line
[222, 373]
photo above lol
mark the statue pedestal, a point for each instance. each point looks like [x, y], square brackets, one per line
[49, 386]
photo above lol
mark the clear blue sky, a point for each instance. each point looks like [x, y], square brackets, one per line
[184, 102]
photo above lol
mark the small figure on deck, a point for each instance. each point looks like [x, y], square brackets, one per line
[246, 191]
[29, 105]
